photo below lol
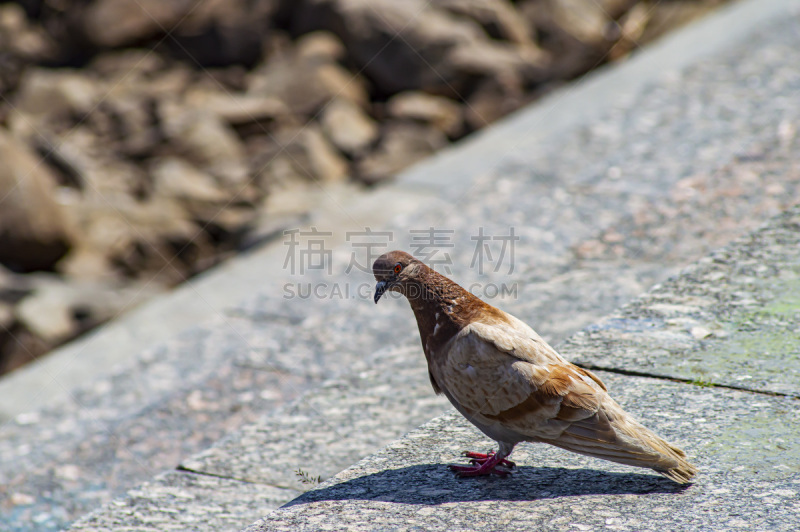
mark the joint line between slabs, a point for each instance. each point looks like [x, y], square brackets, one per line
[184, 469]
[694, 382]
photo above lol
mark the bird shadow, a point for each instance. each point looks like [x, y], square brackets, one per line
[432, 484]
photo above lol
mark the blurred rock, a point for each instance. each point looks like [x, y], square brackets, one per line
[631, 26]
[401, 145]
[58, 308]
[200, 196]
[498, 18]
[408, 45]
[520, 66]
[288, 206]
[85, 261]
[27, 40]
[574, 56]
[248, 113]
[305, 79]
[13, 286]
[493, 99]
[138, 239]
[208, 33]
[85, 163]
[47, 315]
[177, 179]
[442, 113]
[670, 15]
[52, 97]
[301, 155]
[33, 229]
[348, 127]
[20, 43]
[6, 316]
[589, 21]
[205, 140]
[399, 45]
[130, 66]
[321, 45]
[114, 23]
[127, 124]
[19, 346]
[222, 32]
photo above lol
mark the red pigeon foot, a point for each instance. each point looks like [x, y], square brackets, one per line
[480, 458]
[484, 464]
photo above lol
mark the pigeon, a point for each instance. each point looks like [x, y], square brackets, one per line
[509, 383]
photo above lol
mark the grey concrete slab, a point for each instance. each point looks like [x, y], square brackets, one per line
[733, 318]
[206, 502]
[331, 427]
[57, 466]
[743, 444]
[316, 436]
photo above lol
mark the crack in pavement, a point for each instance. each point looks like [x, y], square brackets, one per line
[225, 477]
[694, 382]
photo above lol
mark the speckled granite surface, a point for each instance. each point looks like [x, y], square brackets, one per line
[286, 452]
[211, 502]
[603, 210]
[333, 426]
[733, 318]
[743, 442]
[749, 476]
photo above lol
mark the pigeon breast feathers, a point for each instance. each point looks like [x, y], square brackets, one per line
[505, 373]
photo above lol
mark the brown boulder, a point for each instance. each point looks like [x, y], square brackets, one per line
[442, 113]
[412, 45]
[136, 239]
[252, 113]
[210, 33]
[53, 98]
[297, 155]
[401, 145]
[399, 45]
[33, 229]
[306, 78]
[115, 23]
[204, 139]
[492, 99]
[348, 127]
[498, 18]
[21, 43]
[58, 309]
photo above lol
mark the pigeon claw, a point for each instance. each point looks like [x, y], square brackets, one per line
[483, 465]
[480, 458]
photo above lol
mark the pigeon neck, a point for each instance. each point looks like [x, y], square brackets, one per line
[439, 305]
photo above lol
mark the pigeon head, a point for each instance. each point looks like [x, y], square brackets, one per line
[393, 271]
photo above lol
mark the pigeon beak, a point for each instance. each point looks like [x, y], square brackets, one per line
[380, 288]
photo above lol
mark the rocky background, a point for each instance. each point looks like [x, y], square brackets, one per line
[143, 141]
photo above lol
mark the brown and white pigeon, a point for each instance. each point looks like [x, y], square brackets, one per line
[511, 384]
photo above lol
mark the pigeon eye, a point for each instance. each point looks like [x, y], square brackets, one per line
[398, 267]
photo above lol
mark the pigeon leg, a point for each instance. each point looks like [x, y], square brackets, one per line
[480, 458]
[484, 464]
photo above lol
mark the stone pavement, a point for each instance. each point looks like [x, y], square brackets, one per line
[612, 185]
[731, 318]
